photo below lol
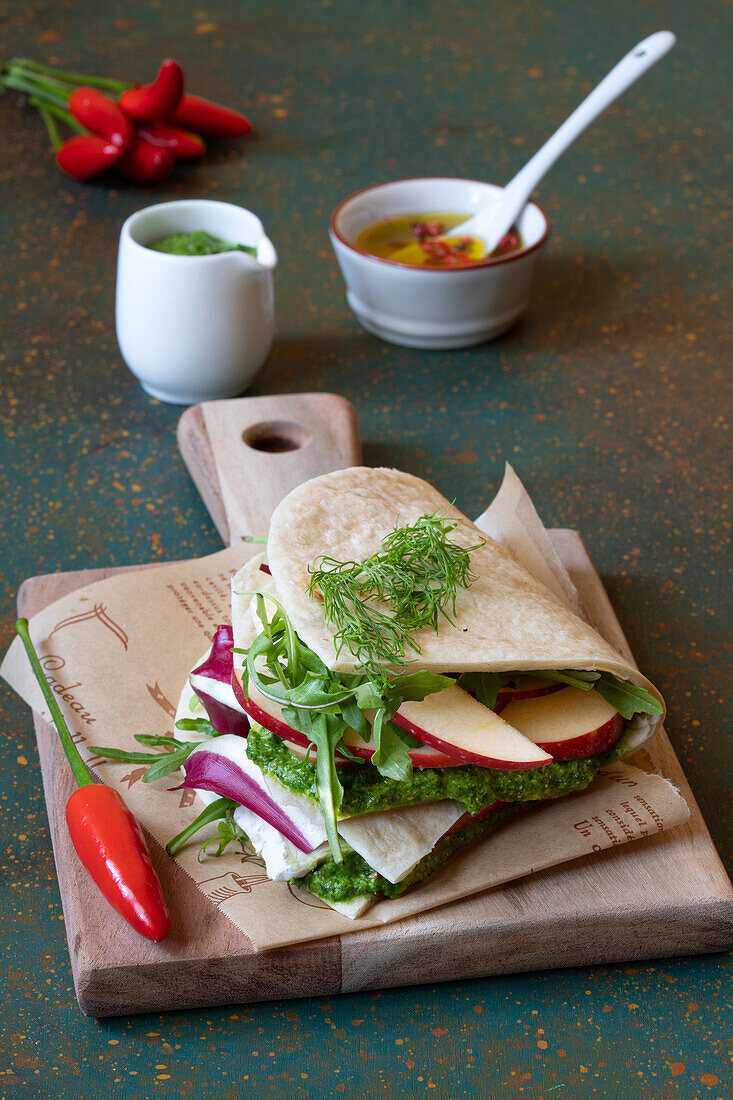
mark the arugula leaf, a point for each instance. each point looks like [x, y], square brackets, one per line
[391, 757]
[356, 720]
[213, 812]
[325, 733]
[167, 763]
[307, 694]
[228, 833]
[413, 687]
[628, 699]
[160, 763]
[583, 679]
[484, 685]
[194, 725]
[152, 739]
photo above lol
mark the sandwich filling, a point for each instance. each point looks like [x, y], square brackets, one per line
[368, 716]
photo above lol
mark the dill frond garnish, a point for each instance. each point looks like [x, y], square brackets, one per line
[376, 606]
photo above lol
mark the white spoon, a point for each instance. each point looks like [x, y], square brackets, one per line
[494, 222]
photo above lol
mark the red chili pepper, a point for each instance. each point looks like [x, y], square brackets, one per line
[110, 844]
[184, 144]
[87, 155]
[102, 116]
[210, 119]
[508, 243]
[149, 102]
[106, 836]
[145, 162]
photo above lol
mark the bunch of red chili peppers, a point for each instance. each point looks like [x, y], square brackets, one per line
[140, 131]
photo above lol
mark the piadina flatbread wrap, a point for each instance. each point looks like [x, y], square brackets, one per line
[392, 688]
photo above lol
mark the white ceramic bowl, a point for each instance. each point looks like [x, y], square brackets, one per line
[422, 307]
[194, 328]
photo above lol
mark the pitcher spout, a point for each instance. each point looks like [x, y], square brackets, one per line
[266, 254]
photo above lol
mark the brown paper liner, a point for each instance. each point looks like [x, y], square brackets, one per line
[118, 652]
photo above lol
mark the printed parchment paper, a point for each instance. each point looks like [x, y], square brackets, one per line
[118, 652]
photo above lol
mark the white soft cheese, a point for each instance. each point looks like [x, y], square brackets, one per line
[394, 841]
[354, 908]
[223, 693]
[190, 706]
[282, 859]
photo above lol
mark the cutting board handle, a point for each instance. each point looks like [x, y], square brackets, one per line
[246, 455]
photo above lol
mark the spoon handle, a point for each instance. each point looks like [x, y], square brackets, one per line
[629, 69]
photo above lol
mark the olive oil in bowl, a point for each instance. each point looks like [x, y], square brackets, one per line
[424, 240]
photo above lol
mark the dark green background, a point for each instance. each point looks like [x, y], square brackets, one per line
[609, 397]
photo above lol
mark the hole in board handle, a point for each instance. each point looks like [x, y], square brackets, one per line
[276, 436]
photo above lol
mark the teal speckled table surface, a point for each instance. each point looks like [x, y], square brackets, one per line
[609, 397]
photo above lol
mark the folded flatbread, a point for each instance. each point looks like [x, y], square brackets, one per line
[505, 622]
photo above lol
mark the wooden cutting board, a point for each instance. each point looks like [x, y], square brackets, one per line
[665, 895]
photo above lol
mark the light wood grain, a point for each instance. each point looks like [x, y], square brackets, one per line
[661, 896]
[665, 895]
[226, 446]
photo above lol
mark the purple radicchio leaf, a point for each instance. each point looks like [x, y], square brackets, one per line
[226, 716]
[223, 718]
[220, 661]
[207, 770]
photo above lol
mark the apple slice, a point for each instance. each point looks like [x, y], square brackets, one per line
[530, 689]
[301, 752]
[570, 723]
[269, 714]
[457, 724]
[422, 756]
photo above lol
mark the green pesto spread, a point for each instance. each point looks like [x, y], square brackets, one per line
[354, 878]
[198, 243]
[365, 790]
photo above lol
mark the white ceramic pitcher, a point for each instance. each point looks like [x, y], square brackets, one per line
[194, 328]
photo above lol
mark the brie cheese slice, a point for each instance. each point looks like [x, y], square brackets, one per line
[283, 860]
[394, 841]
[354, 908]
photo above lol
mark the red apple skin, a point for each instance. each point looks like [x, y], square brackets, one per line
[509, 695]
[422, 757]
[588, 744]
[469, 819]
[276, 725]
[464, 755]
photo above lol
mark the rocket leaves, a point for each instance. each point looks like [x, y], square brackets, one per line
[323, 705]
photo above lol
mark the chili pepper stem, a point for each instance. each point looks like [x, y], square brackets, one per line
[76, 79]
[50, 121]
[40, 78]
[78, 767]
[57, 112]
[32, 88]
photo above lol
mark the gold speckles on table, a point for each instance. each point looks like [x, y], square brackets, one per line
[611, 397]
